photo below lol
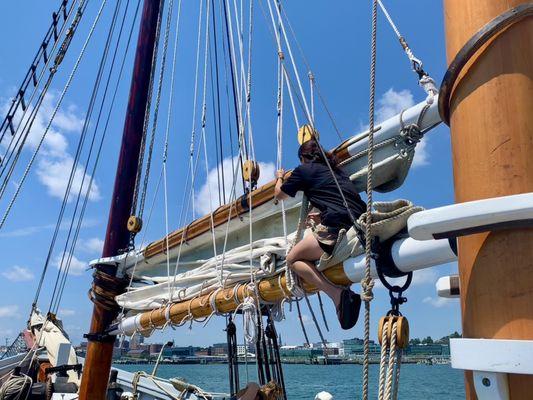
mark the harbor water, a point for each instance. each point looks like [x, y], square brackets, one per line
[303, 382]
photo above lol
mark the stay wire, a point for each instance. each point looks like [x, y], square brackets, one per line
[99, 151]
[229, 36]
[102, 139]
[30, 76]
[97, 124]
[36, 82]
[148, 108]
[28, 123]
[314, 79]
[79, 149]
[218, 108]
[54, 112]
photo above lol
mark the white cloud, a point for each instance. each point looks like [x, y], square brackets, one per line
[65, 312]
[18, 274]
[204, 206]
[10, 311]
[92, 245]
[392, 103]
[55, 174]
[30, 230]
[55, 162]
[421, 154]
[77, 267]
[437, 302]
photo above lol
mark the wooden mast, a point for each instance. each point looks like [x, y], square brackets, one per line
[491, 123]
[99, 350]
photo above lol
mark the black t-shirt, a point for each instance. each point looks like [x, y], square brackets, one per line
[315, 180]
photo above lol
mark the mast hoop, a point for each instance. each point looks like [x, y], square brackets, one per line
[470, 49]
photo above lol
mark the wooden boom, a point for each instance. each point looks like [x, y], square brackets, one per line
[272, 289]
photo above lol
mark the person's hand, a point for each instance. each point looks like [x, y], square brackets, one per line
[280, 173]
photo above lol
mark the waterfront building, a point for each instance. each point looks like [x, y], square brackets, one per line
[138, 354]
[219, 349]
[136, 341]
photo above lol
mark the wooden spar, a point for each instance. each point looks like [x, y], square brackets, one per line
[99, 352]
[272, 289]
[354, 146]
[492, 142]
[257, 197]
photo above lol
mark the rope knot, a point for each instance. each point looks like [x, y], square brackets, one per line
[367, 284]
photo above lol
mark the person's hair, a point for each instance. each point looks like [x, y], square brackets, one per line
[310, 151]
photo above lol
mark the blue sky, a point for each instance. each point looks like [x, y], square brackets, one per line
[335, 39]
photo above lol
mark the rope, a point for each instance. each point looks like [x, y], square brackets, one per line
[367, 283]
[424, 80]
[390, 362]
[195, 100]
[17, 387]
[65, 267]
[54, 112]
[167, 134]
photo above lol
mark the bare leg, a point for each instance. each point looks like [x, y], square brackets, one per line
[300, 259]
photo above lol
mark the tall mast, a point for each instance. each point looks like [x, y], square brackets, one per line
[491, 123]
[100, 348]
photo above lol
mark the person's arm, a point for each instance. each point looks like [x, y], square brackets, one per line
[280, 178]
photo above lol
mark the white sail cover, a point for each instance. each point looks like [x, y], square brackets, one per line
[204, 276]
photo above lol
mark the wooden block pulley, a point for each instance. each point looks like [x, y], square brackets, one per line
[306, 133]
[251, 171]
[402, 330]
[135, 224]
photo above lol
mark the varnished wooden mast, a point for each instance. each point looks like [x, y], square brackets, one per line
[492, 141]
[99, 350]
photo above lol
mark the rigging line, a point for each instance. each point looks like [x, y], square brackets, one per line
[367, 281]
[104, 134]
[195, 101]
[315, 81]
[187, 203]
[167, 131]
[98, 154]
[293, 106]
[75, 163]
[204, 117]
[41, 53]
[249, 81]
[293, 63]
[231, 51]
[33, 114]
[241, 76]
[245, 77]
[36, 83]
[217, 118]
[65, 89]
[218, 111]
[228, 110]
[147, 119]
[98, 119]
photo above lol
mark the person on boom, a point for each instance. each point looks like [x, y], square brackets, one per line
[314, 178]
